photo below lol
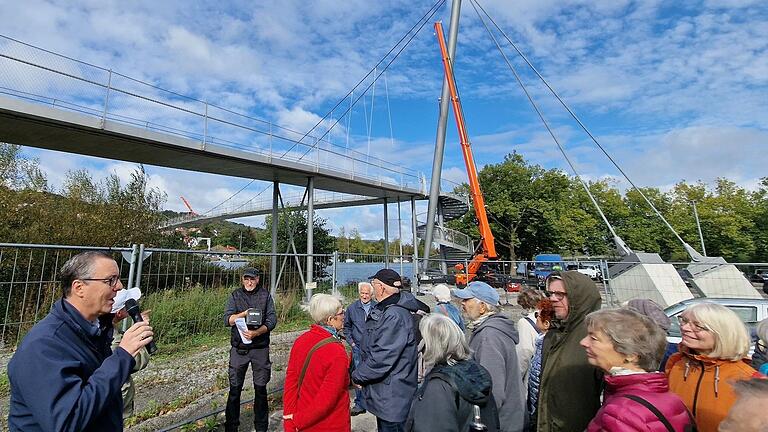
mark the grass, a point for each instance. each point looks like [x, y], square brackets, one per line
[5, 385]
[191, 319]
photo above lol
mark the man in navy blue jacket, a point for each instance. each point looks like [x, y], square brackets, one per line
[64, 375]
[388, 371]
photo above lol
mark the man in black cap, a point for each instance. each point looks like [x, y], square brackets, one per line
[388, 370]
[250, 345]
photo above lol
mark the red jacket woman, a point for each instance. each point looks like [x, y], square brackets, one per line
[620, 413]
[321, 402]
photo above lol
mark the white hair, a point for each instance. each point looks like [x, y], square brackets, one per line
[731, 336]
[442, 293]
[361, 285]
[323, 306]
[444, 342]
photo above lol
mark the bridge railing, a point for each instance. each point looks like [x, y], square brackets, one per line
[44, 77]
[264, 203]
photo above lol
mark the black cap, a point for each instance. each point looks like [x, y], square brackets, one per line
[252, 272]
[388, 277]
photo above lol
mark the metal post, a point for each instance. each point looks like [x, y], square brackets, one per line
[273, 258]
[334, 287]
[386, 234]
[139, 265]
[437, 160]
[106, 100]
[310, 231]
[415, 258]
[698, 225]
[400, 235]
[132, 263]
[270, 142]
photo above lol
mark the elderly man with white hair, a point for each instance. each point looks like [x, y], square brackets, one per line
[355, 333]
[442, 295]
[493, 341]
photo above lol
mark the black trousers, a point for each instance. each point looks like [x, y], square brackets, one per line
[258, 358]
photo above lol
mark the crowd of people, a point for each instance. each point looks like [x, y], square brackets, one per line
[565, 364]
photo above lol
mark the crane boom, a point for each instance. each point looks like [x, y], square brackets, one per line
[487, 249]
[186, 203]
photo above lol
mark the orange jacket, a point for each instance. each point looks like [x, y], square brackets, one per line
[704, 385]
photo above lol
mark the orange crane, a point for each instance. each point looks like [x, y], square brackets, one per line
[186, 203]
[486, 250]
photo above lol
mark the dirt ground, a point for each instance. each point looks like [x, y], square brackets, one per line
[172, 391]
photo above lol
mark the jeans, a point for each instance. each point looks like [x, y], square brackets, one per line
[357, 358]
[386, 426]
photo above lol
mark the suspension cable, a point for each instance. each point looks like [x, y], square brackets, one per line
[418, 26]
[583, 127]
[543, 119]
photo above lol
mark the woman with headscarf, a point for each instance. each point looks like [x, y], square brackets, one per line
[653, 311]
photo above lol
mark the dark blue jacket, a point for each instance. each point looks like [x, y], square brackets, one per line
[354, 322]
[388, 370]
[241, 300]
[65, 377]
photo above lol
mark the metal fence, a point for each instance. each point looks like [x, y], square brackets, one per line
[186, 290]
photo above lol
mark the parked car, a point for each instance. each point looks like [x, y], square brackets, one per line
[751, 312]
[760, 276]
[592, 271]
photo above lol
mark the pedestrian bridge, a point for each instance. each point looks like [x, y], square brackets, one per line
[54, 102]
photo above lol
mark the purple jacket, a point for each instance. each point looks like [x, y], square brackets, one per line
[620, 414]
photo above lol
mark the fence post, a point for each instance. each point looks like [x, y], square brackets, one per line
[139, 265]
[132, 263]
[607, 283]
[106, 100]
[334, 288]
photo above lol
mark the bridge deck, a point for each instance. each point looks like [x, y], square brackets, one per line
[37, 125]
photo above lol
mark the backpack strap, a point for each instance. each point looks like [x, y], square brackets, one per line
[533, 324]
[447, 379]
[317, 346]
[652, 409]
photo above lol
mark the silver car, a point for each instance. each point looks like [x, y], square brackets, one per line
[751, 311]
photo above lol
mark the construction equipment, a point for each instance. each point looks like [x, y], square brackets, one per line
[480, 266]
[186, 203]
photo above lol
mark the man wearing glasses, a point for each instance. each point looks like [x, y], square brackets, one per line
[569, 393]
[64, 375]
[249, 346]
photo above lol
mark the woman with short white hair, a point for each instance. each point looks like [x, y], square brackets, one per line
[454, 386]
[317, 377]
[712, 356]
[444, 306]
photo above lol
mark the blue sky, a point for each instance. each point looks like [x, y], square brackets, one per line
[675, 90]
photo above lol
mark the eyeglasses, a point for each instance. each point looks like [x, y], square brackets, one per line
[559, 295]
[340, 313]
[111, 281]
[249, 278]
[697, 327]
